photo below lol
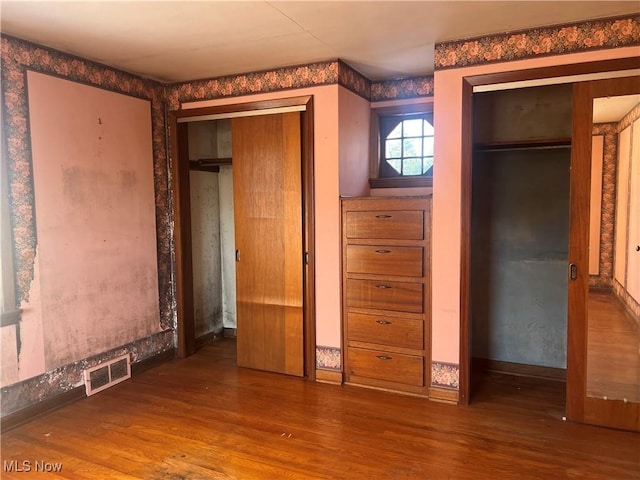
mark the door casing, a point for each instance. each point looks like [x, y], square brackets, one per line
[182, 218]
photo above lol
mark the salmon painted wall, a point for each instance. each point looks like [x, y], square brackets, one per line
[96, 279]
[447, 189]
[354, 117]
[327, 200]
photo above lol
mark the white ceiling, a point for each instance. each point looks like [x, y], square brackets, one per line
[175, 41]
[613, 109]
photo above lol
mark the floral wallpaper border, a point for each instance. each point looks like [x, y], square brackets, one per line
[445, 374]
[350, 78]
[608, 207]
[18, 56]
[544, 41]
[328, 358]
[286, 78]
[317, 74]
[403, 88]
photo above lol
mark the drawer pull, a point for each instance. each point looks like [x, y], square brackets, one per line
[383, 357]
[383, 216]
[383, 251]
[383, 322]
[382, 286]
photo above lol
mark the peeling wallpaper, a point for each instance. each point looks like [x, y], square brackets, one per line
[18, 56]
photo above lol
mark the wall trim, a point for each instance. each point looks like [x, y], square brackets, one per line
[520, 369]
[443, 395]
[329, 376]
[318, 74]
[207, 338]
[48, 405]
[445, 374]
[229, 332]
[613, 32]
[50, 384]
[405, 88]
[328, 358]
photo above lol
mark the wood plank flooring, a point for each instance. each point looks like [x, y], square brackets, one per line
[204, 418]
[613, 349]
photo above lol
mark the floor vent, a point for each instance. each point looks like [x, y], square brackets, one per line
[107, 374]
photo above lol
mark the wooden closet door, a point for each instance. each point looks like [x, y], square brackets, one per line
[267, 184]
[603, 368]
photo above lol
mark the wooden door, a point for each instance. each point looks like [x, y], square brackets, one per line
[603, 367]
[267, 184]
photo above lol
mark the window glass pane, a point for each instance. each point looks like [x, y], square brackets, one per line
[427, 164]
[396, 132]
[413, 128]
[412, 166]
[396, 165]
[428, 146]
[412, 147]
[393, 149]
[407, 145]
[428, 128]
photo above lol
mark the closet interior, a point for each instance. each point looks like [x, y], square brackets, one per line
[520, 230]
[212, 229]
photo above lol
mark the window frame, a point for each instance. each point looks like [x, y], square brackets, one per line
[376, 154]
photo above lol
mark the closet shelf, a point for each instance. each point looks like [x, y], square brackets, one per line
[535, 144]
[208, 164]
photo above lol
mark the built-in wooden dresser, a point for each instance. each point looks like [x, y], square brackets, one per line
[386, 292]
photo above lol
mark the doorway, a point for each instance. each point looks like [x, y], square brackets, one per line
[576, 333]
[257, 156]
[520, 231]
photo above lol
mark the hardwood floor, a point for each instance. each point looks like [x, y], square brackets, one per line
[202, 417]
[613, 349]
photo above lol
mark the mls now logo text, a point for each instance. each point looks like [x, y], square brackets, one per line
[30, 466]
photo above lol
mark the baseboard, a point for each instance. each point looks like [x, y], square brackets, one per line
[443, 395]
[27, 414]
[329, 376]
[207, 338]
[45, 406]
[153, 361]
[229, 332]
[521, 369]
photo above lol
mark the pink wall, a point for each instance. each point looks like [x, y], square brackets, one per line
[96, 279]
[327, 201]
[447, 193]
[354, 117]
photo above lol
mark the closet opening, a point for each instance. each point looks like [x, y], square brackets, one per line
[243, 205]
[520, 232]
[609, 78]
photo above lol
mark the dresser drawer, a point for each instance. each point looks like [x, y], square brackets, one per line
[385, 295]
[385, 260]
[391, 367]
[392, 224]
[399, 332]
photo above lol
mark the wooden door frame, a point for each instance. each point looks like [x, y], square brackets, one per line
[182, 218]
[468, 83]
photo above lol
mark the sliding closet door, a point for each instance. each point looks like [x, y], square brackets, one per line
[267, 184]
[603, 374]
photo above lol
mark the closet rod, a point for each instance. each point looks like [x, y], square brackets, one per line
[514, 148]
